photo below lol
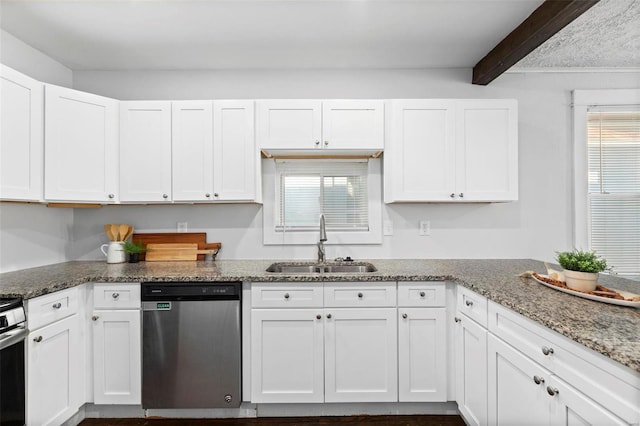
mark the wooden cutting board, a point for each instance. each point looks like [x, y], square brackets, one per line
[200, 238]
[174, 252]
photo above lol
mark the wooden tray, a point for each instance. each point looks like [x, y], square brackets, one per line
[625, 294]
[199, 238]
[175, 252]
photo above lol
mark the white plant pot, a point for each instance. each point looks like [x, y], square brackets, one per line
[581, 281]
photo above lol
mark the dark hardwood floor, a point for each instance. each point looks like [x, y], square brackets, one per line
[288, 421]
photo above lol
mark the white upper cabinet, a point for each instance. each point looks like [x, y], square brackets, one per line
[447, 150]
[81, 146]
[145, 151]
[321, 125]
[192, 150]
[418, 159]
[20, 136]
[487, 150]
[235, 157]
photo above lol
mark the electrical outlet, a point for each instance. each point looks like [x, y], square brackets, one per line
[181, 227]
[387, 227]
[424, 228]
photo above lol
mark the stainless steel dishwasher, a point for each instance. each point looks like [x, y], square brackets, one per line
[191, 346]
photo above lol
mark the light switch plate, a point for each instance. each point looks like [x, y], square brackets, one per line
[387, 228]
[181, 227]
[424, 228]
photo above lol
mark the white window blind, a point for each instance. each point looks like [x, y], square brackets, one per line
[613, 152]
[309, 188]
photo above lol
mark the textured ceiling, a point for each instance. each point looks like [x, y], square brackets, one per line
[606, 36]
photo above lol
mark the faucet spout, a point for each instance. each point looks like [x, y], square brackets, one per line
[323, 238]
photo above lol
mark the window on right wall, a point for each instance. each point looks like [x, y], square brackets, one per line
[613, 163]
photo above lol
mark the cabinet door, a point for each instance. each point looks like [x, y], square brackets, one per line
[116, 357]
[81, 146]
[516, 387]
[422, 355]
[570, 407]
[361, 355]
[353, 124]
[487, 150]
[235, 156]
[286, 355]
[289, 124]
[471, 370]
[419, 160]
[54, 382]
[145, 151]
[192, 150]
[21, 142]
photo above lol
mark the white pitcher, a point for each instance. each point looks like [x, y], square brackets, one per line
[114, 252]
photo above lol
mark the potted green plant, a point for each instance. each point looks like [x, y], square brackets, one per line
[134, 250]
[581, 268]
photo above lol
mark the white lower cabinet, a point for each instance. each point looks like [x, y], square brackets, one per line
[116, 344]
[287, 355]
[54, 368]
[116, 357]
[360, 355]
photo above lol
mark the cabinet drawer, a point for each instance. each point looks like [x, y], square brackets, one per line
[116, 296]
[599, 378]
[50, 308]
[472, 305]
[281, 295]
[353, 295]
[420, 294]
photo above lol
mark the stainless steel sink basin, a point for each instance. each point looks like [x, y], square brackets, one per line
[317, 268]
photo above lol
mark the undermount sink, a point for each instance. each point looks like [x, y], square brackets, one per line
[317, 268]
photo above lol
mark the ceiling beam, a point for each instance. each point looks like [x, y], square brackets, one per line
[549, 18]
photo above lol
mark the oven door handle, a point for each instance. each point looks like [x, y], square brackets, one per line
[12, 337]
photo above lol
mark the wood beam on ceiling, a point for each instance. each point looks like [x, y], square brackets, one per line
[549, 18]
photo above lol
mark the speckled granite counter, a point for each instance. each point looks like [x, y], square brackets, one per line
[614, 331]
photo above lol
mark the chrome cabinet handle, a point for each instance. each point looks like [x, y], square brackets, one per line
[286, 295]
[547, 351]
[37, 339]
[329, 316]
[165, 196]
[360, 295]
[538, 379]
[404, 316]
[456, 319]
[552, 391]
[56, 305]
[215, 194]
[115, 295]
[111, 196]
[461, 195]
[317, 143]
[95, 317]
[452, 195]
[207, 195]
[318, 316]
[422, 294]
[326, 143]
[469, 303]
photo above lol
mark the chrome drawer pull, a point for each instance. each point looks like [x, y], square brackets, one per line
[538, 379]
[469, 303]
[422, 294]
[404, 316]
[37, 339]
[552, 391]
[456, 319]
[547, 351]
[360, 295]
[115, 295]
[95, 317]
[286, 295]
[329, 316]
[318, 316]
[57, 305]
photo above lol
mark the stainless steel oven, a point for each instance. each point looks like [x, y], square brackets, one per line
[13, 332]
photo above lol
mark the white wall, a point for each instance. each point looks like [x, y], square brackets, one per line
[33, 235]
[20, 56]
[535, 226]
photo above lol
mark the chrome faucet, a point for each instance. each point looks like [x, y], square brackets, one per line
[323, 238]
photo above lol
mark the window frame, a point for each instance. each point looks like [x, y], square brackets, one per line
[582, 101]
[311, 237]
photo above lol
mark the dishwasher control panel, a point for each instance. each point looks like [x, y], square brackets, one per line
[190, 291]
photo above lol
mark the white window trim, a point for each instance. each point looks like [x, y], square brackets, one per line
[582, 100]
[272, 237]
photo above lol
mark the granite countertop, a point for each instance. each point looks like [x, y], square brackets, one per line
[608, 329]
